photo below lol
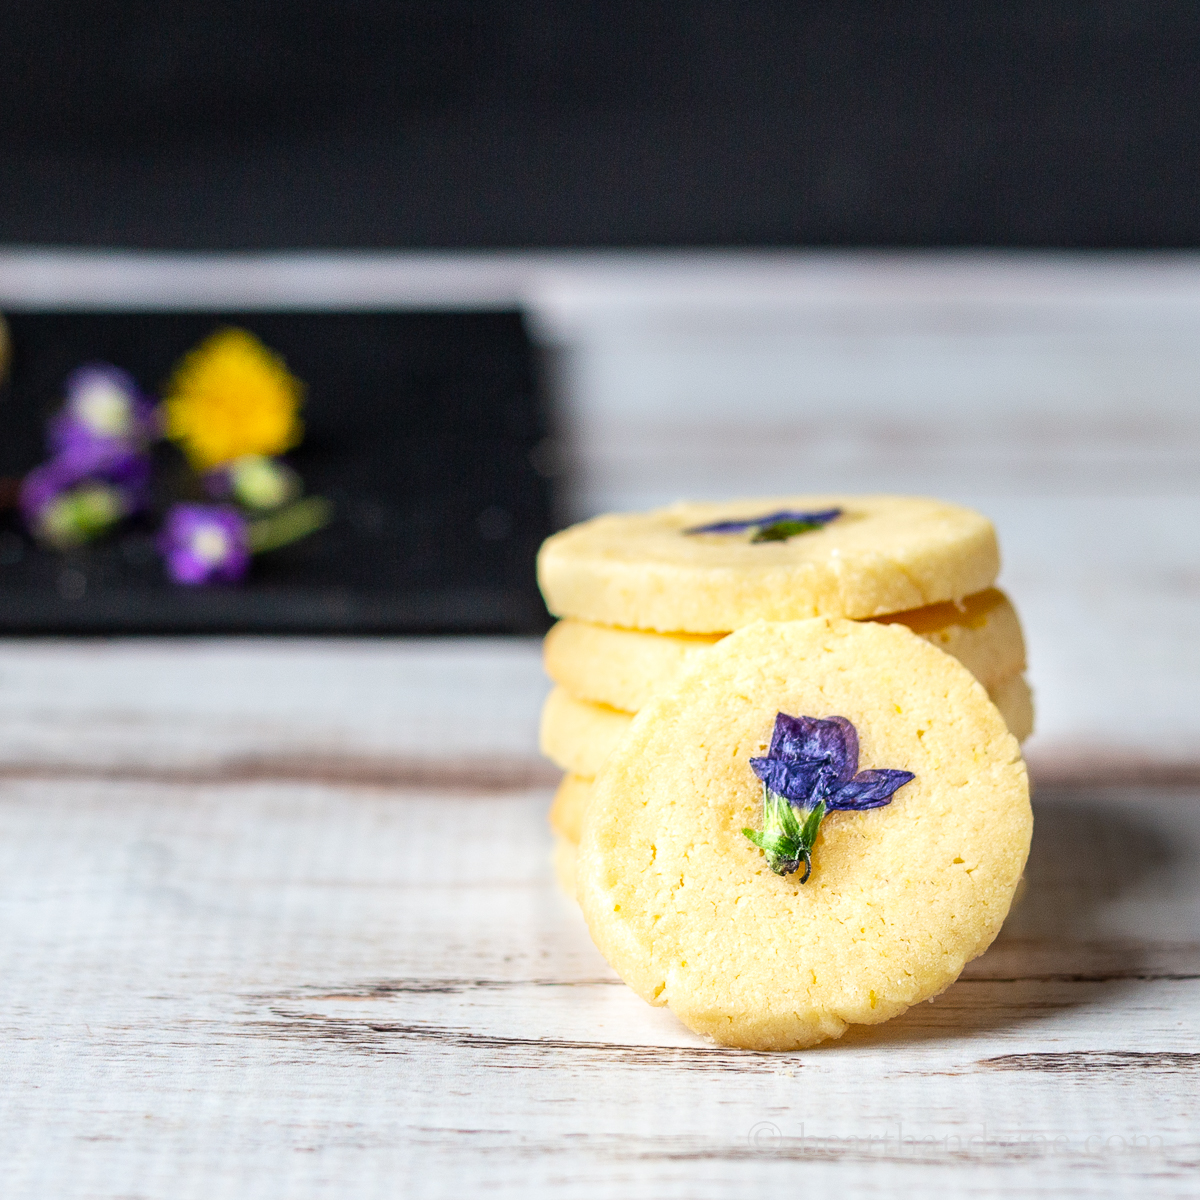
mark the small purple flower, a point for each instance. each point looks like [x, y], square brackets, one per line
[205, 543]
[84, 491]
[104, 407]
[774, 527]
[814, 760]
[810, 769]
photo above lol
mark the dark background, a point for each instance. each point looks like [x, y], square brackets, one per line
[450, 123]
[421, 429]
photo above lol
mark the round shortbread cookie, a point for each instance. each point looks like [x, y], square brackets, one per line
[565, 854]
[685, 907]
[566, 809]
[1014, 698]
[623, 668]
[982, 631]
[1011, 697]
[578, 736]
[883, 554]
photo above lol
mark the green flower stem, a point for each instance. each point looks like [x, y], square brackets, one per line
[785, 840]
[780, 531]
[289, 524]
[81, 515]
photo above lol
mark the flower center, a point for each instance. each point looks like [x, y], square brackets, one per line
[105, 409]
[210, 544]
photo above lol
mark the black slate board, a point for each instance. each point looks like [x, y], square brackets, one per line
[422, 428]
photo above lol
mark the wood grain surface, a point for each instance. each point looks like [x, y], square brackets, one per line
[271, 985]
[278, 918]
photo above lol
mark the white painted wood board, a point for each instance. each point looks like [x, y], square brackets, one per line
[241, 955]
[289, 989]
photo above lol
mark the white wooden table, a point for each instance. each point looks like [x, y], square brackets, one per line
[279, 921]
[278, 918]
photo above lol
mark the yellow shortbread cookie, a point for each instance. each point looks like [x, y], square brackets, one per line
[982, 631]
[566, 809]
[578, 736]
[901, 897]
[1011, 696]
[1014, 699]
[623, 668]
[884, 554]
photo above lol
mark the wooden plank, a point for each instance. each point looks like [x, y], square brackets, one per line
[391, 711]
[283, 989]
[278, 918]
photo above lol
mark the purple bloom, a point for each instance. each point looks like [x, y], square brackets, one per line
[84, 491]
[104, 407]
[773, 527]
[813, 760]
[205, 543]
[810, 769]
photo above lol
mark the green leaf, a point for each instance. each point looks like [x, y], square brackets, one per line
[808, 835]
[289, 524]
[81, 515]
[784, 840]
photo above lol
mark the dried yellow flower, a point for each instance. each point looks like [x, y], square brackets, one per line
[230, 397]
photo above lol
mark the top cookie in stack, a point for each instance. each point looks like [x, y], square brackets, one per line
[639, 593]
[713, 568]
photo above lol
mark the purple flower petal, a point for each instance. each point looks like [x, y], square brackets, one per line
[96, 462]
[823, 517]
[833, 740]
[868, 789]
[204, 543]
[800, 783]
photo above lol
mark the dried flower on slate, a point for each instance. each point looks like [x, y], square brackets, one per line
[104, 407]
[205, 543]
[231, 397]
[83, 492]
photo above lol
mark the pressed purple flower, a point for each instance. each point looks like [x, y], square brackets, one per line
[104, 406]
[810, 769]
[205, 543]
[774, 527]
[833, 739]
[82, 492]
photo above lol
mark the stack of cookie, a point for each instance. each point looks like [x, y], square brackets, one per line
[641, 596]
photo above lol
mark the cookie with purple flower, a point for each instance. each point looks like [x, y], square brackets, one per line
[709, 568]
[578, 735]
[818, 824]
